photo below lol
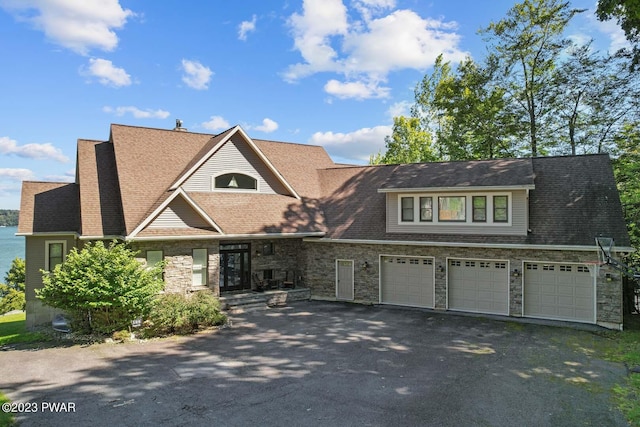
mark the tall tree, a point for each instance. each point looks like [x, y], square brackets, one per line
[528, 43]
[409, 143]
[627, 14]
[474, 122]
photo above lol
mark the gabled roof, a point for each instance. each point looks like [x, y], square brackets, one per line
[148, 161]
[215, 144]
[49, 207]
[100, 200]
[478, 174]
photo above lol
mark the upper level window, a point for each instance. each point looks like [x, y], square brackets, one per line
[452, 208]
[500, 209]
[426, 209]
[407, 208]
[236, 181]
[455, 209]
[480, 208]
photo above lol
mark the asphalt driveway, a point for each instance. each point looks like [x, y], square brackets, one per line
[329, 364]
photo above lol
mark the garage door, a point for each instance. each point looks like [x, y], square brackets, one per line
[407, 281]
[478, 286]
[559, 291]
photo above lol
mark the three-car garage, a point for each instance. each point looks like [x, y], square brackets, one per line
[550, 290]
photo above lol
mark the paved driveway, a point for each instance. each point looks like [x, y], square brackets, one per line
[327, 364]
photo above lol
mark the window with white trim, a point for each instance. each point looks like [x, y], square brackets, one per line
[235, 181]
[153, 258]
[407, 208]
[55, 251]
[473, 209]
[199, 267]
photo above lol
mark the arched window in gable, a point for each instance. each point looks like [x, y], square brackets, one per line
[235, 181]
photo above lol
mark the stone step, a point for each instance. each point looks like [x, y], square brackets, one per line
[246, 308]
[267, 298]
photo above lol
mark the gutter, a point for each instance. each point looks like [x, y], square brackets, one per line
[226, 237]
[467, 245]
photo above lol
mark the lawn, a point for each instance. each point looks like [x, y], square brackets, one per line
[627, 351]
[13, 330]
[6, 418]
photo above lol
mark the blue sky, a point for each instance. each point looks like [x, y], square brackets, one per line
[326, 72]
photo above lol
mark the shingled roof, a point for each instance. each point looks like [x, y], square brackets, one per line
[123, 181]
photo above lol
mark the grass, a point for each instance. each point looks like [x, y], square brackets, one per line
[627, 351]
[13, 330]
[6, 418]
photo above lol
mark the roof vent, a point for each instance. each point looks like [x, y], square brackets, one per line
[179, 126]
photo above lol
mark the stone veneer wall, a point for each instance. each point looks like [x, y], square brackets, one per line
[321, 272]
[179, 257]
[287, 257]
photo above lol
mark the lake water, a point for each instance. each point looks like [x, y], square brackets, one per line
[11, 246]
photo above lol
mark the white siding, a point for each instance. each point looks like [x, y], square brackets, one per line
[179, 214]
[234, 156]
[519, 213]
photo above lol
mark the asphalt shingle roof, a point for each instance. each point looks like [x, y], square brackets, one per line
[122, 181]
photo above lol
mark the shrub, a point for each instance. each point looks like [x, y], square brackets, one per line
[102, 288]
[181, 314]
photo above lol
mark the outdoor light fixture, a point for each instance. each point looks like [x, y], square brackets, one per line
[608, 277]
[365, 265]
[516, 273]
[441, 268]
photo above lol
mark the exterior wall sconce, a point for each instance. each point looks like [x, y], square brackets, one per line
[608, 277]
[441, 268]
[365, 265]
[516, 273]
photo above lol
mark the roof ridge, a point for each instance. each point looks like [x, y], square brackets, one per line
[287, 142]
[163, 130]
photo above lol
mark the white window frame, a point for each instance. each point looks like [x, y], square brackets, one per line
[235, 190]
[203, 269]
[435, 206]
[47, 243]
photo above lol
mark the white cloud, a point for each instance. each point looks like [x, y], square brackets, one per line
[246, 27]
[216, 123]
[402, 108]
[136, 112]
[354, 146]
[31, 151]
[107, 73]
[267, 126]
[196, 76]
[16, 174]
[76, 25]
[366, 51]
[358, 90]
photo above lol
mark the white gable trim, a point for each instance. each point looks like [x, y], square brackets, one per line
[165, 204]
[254, 147]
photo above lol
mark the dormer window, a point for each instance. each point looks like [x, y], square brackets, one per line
[235, 181]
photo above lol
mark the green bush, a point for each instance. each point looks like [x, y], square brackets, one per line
[102, 288]
[181, 314]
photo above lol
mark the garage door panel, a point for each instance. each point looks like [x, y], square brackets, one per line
[559, 291]
[478, 286]
[407, 281]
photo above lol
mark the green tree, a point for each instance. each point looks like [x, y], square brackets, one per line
[627, 170]
[528, 43]
[627, 15]
[409, 143]
[103, 287]
[15, 277]
[474, 121]
[12, 295]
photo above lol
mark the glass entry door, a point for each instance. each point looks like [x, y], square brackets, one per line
[234, 267]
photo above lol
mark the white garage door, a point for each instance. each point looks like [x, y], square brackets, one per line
[407, 281]
[478, 286]
[559, 291]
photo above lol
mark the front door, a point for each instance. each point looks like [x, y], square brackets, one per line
[234, 267]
